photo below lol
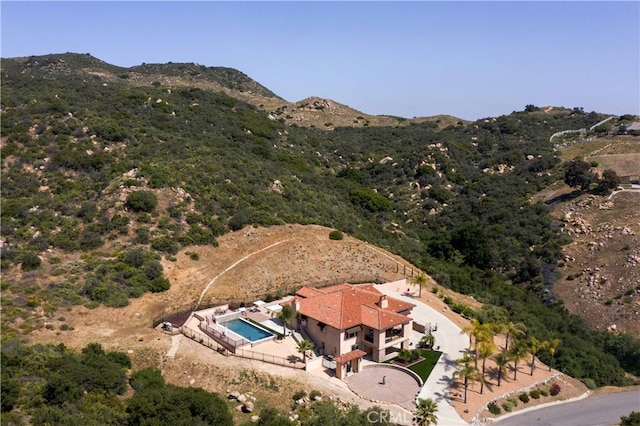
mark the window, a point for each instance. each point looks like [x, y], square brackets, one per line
[350, 335]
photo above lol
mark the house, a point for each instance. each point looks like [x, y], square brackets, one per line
[348, 321]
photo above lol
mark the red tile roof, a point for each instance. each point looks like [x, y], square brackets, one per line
[345, 305]
[349, 356]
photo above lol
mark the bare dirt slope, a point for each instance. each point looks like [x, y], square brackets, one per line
[600, 279]
[247, 263]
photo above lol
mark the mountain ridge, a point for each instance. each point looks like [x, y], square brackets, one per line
[230, 81]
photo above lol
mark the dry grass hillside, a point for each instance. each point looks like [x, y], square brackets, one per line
[247, 263]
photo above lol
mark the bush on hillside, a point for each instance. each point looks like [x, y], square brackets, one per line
[142, 201]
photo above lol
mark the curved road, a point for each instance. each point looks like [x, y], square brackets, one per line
[597, 410]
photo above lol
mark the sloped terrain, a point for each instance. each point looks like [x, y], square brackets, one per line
[600, 279]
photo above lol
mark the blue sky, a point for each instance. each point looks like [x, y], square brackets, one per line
[468, 59]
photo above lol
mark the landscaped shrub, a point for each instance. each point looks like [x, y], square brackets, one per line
[513, 401]
[507, 406]
[524, 397]
[544, 392]
[588, 382]
[554, 389]
[535, 394]
[494, 409]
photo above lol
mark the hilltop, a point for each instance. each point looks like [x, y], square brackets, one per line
[316, 112]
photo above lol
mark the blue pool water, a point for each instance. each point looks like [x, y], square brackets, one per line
[247, 330]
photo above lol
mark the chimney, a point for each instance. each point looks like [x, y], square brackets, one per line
[295, 305]
[383, 302]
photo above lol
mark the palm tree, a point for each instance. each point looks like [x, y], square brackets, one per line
[533, 346]
[512, 329]
[467, 372]
[285, 315]
[551, 346]
[480, 333]
[427, 341]
[425, 413]
[485, 350]
[501, 359]
[303, 347]
[517, 353]
[420, 280]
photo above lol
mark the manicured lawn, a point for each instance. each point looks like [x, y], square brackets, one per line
[424, 367]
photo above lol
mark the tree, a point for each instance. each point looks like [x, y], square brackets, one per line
[485, 350]
[142, 201]
[533, 346]
[501, 359]
[420, 280]
[303, 347]
[427, 341]
[609, 181]
[471, 241]
[512, 329]
[633, 419]
[517, 352]
[425, 413]
[480, 333]
[551, 346]
[285, 315]
[578, 174]
[467, 372]
[169, 404]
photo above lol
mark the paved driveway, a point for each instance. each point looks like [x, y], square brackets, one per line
[452, 343]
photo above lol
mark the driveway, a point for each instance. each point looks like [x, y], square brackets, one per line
[453, 345]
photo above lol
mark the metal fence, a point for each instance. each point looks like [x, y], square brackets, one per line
[178, 315]
[202, 338]
[292, 361]
[222, 338]
[212, 343]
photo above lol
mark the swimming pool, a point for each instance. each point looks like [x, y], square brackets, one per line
[247, 330]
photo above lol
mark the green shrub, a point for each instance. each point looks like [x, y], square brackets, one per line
[524, 397]
[544, 392]
[314, 394]
[589, 383]
[513, 401]
[335, 235]
[494, 409]
[142, 201]
[535, 394]
[507, 406]
[30, 261]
